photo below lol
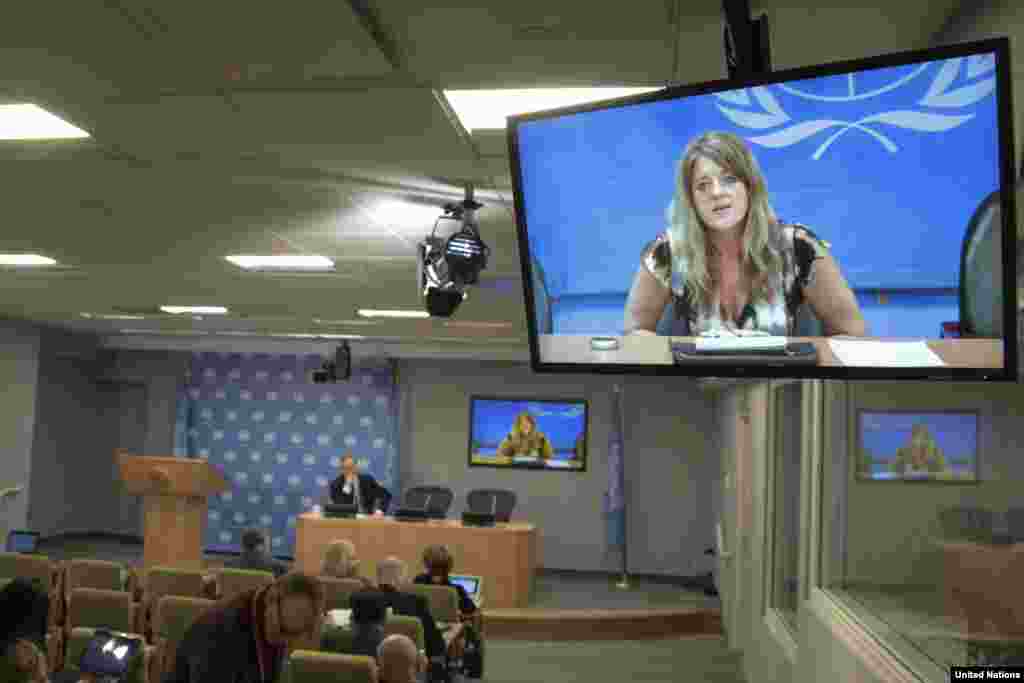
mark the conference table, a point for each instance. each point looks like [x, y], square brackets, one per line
[504, 555]
[641, 349]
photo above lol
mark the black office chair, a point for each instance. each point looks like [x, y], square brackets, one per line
[981, 271]
[962, 523]
[1015, 524]
[541, 300]
[436, 500]
[497, 502]
[807, 324]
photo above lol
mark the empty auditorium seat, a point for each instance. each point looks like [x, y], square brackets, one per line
[308, 666]
[98, 608]
[83, 573]
[162, 581]
[172, 617]
[231, 582]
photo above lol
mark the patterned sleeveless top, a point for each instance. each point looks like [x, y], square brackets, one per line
[801, 248]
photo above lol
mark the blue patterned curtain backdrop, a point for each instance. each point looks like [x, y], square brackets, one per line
[278, 438]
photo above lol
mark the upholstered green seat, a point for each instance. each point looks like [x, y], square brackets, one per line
[443, 600]
[338, 639]
[309, 666]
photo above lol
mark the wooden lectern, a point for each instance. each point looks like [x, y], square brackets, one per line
[174, 492]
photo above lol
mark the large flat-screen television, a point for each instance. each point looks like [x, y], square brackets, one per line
[917, 446]
[850, 221]
[528, 433]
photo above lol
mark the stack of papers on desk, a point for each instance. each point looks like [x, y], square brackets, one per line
[883, 354]
[726, 344]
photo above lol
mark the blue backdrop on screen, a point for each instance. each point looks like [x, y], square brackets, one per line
[562, 423]
[278, 438]
[888, 165]
[955, 434]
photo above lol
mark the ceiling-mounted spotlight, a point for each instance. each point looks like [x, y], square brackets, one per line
[446, 267]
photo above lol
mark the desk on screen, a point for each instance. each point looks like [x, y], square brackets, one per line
[504, 555]
[654, 350]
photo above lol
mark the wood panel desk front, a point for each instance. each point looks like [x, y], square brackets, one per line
[504, 555]
[654, 350]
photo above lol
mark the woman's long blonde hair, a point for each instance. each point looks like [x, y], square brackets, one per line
[517, 426]
[762, 257]
[340, 560]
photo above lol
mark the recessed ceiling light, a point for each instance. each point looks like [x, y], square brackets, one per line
[371, 313]
[29, 122]
[26, 260]
[282, 262]
[111, 316]
[475, 324]
[487, 109]
[197, 310]
[364, 323]
[318, 335]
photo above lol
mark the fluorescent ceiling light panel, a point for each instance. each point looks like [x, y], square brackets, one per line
[112, 316]
[26, 260]
[29, 122]
[487, 109]
[197, 310]
[282, 262]
[371, 313]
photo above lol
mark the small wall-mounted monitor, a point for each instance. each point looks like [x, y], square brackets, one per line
[542, 434]
[917, 446]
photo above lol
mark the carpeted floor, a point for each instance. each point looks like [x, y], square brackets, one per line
[703, 660]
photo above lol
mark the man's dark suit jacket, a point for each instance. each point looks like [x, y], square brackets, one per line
[411, 605]
[373, 495]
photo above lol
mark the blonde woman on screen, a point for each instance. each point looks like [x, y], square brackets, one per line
[726, 263]
[525, 440]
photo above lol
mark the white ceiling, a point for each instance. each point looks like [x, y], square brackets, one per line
[236, 127]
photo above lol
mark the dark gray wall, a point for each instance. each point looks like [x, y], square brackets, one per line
[672, 467]
[19, 367]
[672, 470]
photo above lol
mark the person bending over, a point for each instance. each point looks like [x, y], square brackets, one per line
[255, 555]
[245, 639]
[727, 263]
[353, 487]
[340, 562]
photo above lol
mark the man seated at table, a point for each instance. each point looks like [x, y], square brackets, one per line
[255, 556]
[353, 487]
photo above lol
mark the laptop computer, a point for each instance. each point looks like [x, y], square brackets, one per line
[337, 510]
[473, 586]
[24, 542]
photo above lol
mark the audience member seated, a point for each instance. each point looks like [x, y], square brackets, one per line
[397, 660]
[248, 637]
[255, 555]
[437, 560]
[368, 617]
[24, 611]
[340, 563]
[390, 576]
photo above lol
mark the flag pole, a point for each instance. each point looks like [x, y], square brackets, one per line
[620, 410]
